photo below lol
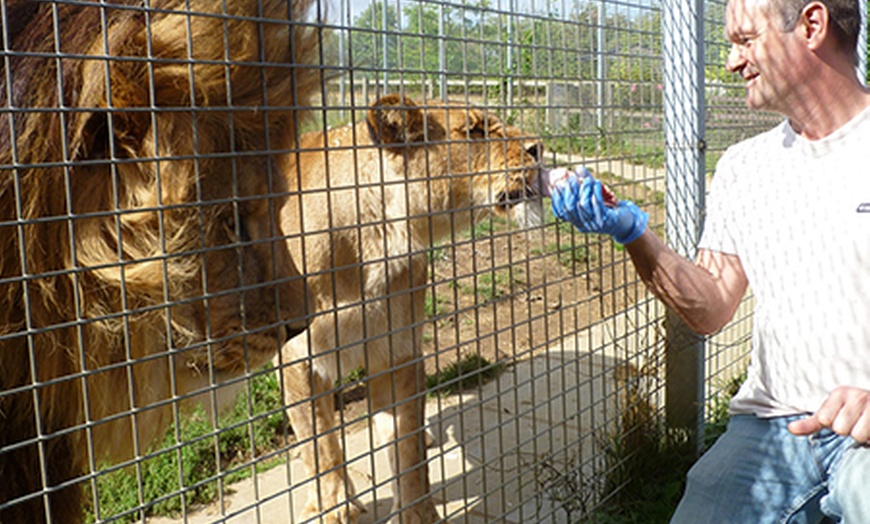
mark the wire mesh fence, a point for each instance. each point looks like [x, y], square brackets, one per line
[266, 261]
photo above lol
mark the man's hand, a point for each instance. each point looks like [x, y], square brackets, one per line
[581, 201]
[846, 411]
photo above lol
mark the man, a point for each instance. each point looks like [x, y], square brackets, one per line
[788, 215]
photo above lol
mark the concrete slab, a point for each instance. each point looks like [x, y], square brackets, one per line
[495, 456]
[511, 452]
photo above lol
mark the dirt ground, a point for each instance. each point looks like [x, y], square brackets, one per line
[508, 295]
[504, 294]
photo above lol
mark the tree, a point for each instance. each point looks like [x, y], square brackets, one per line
[373, 42]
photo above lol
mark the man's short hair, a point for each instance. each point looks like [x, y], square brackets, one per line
[845, 19]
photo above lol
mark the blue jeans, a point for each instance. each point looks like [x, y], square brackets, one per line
[759, 473]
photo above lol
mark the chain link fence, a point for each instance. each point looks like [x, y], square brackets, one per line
[283, 262]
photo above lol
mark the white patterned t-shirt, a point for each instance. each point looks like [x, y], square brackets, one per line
[797, 213]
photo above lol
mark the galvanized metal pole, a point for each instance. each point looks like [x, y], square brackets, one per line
[601, 66]
[683, 42]
[442, 53]
[509, 99]
[862, 43]
[385, 51]
[344, 16]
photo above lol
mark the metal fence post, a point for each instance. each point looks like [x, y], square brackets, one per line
[683, 42]
[862, 42]
[601, 66]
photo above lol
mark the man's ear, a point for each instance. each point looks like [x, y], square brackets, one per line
[813, 24]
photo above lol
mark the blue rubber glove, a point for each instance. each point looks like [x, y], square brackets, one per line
[580, 202]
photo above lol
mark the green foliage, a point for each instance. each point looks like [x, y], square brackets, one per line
[569, 254]
[473, 37]
[435, 304]
[485, 228]
[648, 463]
[718, 408]
[576, 139]
[482, 229]
[486, 286]
[490, 285]
[185, 468]
[377, 36]
[579, 139]
[354, 376]
[647, 469]
[437, 254]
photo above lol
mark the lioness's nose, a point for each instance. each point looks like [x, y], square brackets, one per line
[536, 150]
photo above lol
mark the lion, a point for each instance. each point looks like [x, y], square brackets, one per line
[141, 261]
[372, 200]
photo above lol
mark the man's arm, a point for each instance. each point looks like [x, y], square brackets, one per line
[704, 294]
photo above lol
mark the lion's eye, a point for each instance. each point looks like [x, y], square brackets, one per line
[237, 229]
[244, 236]
[477, 132]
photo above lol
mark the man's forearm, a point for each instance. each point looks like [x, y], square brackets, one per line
[704, 294]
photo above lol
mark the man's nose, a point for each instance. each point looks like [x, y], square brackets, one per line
[735, 60]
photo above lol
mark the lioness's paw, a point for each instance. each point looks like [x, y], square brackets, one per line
[423, 513]
[344, 514]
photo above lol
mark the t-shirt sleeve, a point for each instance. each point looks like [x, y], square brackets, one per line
[719, 231]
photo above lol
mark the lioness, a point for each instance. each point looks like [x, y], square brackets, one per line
[372, 198]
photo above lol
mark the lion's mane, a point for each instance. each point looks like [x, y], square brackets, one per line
[139, 256]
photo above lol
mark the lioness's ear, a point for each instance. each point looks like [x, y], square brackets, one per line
[396, 120]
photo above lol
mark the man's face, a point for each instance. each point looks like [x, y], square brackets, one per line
[762, 54]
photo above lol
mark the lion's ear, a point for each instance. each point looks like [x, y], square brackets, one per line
[396, 120]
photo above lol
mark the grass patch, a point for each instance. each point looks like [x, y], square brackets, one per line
[193, 463]
[482, 229]
[471, 371]
[647, 463]
[491, 285]
[485, 228]
[354, 376]
[576, 138]
[437, 254]
[435, 305]
[485, 286]
[718, 408]
[189, 461]
[569, 254]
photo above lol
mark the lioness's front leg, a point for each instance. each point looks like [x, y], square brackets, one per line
[399, 402]
[311, 409]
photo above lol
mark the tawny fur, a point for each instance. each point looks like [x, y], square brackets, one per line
[117, 244]
[371, 201]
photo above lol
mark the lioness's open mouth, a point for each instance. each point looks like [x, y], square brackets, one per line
[507, 199]
[523, 205]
